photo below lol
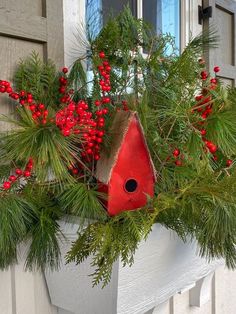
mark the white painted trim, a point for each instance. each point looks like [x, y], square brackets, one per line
[201, 293]
[163, 266]
[139, 9]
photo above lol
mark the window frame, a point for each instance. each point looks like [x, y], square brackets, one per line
[183, 20]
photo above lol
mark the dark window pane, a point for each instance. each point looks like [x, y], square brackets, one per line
[114, 7]
[164, 16]
[98, 12]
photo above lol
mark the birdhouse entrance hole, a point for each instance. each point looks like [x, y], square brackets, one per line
[131, 185]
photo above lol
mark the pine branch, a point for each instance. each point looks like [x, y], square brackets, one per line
[50, 150]
[39, 78]
[15, 217]
[83, 201]
[44, 232]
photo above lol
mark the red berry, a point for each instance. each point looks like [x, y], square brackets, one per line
[34, 116]
[18, 172]
[102, 54]
[204, 74]
[16, 96]
[32, 107]
[66, 132]
[176, 152]
[100, 68]
[65, 70]
[71, 106]
[29, 166]
[100, 133]
[27, 173]
[12, 178]
[97, 157]
[89, 151]
[62, 90]
[178, 162]
[7, 185]
[97, 103]
[101, 120]
[41, 106]
[62, 80]
[9, 90]
[203, 132]
[98, 112]
[45, 113]
[22, 93]
[214, 81]
[75, 171]
[204, 115]
[99, 139]
[216, 69]
[106, 100]
[229, 162]
[212, 148]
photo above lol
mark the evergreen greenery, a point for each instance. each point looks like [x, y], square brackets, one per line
[197, 200]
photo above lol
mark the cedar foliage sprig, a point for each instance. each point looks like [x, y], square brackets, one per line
[196, 199]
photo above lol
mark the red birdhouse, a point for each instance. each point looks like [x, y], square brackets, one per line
[127, 173]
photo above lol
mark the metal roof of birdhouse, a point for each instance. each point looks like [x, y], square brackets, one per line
[119, 130]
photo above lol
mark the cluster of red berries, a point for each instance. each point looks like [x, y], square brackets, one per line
[204, 101]
[76, 118]
[204, 108]
[5, 87]
[176, 154]
[19, 173]
[104, 71]
[39, 112]
[204, 74]
[63, 82]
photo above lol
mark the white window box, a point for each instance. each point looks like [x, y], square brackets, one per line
[163, 266]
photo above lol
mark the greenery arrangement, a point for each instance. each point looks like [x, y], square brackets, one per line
[62, 121]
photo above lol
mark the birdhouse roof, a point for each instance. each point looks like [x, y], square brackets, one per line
[119, 129]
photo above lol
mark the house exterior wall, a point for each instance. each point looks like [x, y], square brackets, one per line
[27, 293]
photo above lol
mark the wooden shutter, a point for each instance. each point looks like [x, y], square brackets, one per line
[27, 25]
[224, 21]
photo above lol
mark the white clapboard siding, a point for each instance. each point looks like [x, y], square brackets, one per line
[27, 25]
[23, 28]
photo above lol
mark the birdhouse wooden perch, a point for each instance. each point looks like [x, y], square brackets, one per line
[127, 174]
